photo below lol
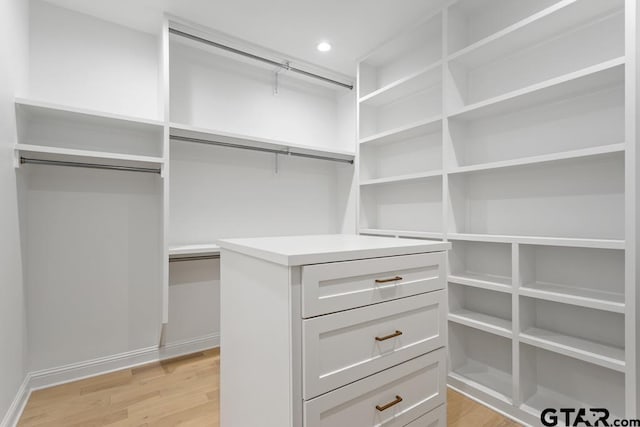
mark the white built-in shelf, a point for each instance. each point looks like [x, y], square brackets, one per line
[546, 158]
[486, 378]
[587, 80]
[576, 296]
[543, 241]
[541, 26]
[421, 80]
[429, 125]
[58, 111]
[402, 178]
[482, 281]
[484, 322]
[58, 154]
[402, 233]
[589, 351]
[193, 251]
[231, 139]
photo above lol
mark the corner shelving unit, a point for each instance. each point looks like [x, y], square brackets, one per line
[530, 148]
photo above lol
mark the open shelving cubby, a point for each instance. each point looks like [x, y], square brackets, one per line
[481, 360]
[482, 309]
[481, 264]
[552, 380]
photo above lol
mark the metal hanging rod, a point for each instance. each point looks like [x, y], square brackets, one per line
[262, 149]
[24, 160]
[259, 58]
[194, 258]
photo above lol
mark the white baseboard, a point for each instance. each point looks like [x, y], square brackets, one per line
[17, 406]
[77, 371]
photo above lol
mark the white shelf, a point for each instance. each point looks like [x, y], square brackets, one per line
[546, 158]
[212, 135]
[406, 86]
[430, 125]
[587, 80]
[402, 178]
[482, 281]
[484, 322]
[589, 351]
[402, 233]
[544, 241]
[575, 296]
[48, 109]
[541, 26]
[491, 381]
[41, 152]
[193, 250]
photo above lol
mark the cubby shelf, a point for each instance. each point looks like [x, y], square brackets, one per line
[574, 296]
[403, 233]
[477, 375]
[245, 141]
[544, 241]
[482, 281]
[484, 322]
[586, 80]
[540, 26]
[41, 152]
[408, 85]
[429, 125]
[588, 351]
[402, 178]
[562, 156]
[52, 110]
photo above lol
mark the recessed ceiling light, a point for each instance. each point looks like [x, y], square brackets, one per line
[324, 46]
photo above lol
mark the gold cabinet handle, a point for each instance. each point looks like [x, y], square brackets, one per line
[388, 337]
[389, 405]
[392, 279]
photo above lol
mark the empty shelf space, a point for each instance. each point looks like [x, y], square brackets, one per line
[536, 240]
[429, 125]
[402, 233]
[484, 378]
[576, 296]
[416, 82]
[484, 322]
[589, 351]
[84, 156]
[563, 156]
[193, 134]
[31, 107]
[584, 81]
[402, 178]
[483, 281]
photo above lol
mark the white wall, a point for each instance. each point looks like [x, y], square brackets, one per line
[82, 61]
[13, 337]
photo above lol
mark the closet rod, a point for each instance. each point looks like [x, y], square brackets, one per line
[264, 150]
[24, 160]
[286, 66]
[194, 258]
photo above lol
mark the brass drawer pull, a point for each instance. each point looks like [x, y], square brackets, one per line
[393, 279]
[388, 337]
[389, 405]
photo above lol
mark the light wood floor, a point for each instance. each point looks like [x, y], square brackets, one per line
[178, 392]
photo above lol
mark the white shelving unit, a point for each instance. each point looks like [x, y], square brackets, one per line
[530, 154]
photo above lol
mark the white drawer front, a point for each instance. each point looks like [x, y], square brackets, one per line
[343, 347]
[327, 288]
[420, 384]
[435, 418]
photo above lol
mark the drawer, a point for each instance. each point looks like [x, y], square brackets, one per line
[327, 288]
[343, 347]
[435, 418]
[391, 398]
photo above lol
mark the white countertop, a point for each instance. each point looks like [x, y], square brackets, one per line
[302, 250]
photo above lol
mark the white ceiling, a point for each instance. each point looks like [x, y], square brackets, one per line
[292, 27]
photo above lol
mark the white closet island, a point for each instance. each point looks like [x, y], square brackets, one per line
[333, 330]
